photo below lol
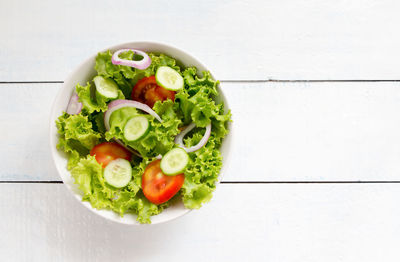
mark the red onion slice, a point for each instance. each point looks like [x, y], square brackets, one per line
[141, 64]
[74, 106]
[203, 141]
[120, 103]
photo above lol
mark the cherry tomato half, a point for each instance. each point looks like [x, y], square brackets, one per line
[147, 91]
[157, 187]
[109, 151]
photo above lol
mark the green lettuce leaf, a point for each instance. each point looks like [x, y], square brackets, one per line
[88, 174]
[120, 74]
[194, 83]
[77, 136]
[93, 103]
[73, 159]
[97, 120]
[194, 103]
[159, 139]
[126, 76]
[202, 173]
[195, 194]
[85, 97]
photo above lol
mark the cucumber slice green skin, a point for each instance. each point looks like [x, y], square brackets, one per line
[106, 87]
[118, 173]
[169, 78]
[136, 128]
[174, 162]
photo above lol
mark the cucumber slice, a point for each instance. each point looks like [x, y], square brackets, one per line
[169, 78]
[118, 173]
[174, 161]
[106, 87]
[136, 128]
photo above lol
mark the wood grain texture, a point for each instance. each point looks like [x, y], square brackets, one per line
[24, 143]
[278, 39]
[282, 131]
[289, 132]
[241, 223]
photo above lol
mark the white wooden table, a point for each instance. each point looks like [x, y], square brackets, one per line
[315, 94]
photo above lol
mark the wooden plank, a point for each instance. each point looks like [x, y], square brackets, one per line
[303, 222]
[24, 143]
[282, 131]
[276, 39]
[315, 131]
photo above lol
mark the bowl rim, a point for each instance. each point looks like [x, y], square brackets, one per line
[53, 117]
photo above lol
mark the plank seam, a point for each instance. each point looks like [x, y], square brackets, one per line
[310, 81]
[242, 81]
[31, 82]
[310, 182]
[226, 182]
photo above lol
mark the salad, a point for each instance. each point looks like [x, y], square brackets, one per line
[144, 133]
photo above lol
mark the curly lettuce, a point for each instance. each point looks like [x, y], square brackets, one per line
[125, 76]
[76, 136]
[92, 100]
[159, 139]
[88, 174]
[196, 102]
[202, 173]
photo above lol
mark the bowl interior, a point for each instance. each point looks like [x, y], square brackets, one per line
[85, 72]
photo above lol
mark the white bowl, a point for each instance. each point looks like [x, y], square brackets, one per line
[85, 72]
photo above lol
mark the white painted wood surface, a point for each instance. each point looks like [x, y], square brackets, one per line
[301, 222]
[326, 131]
[284, 131]
[250, 39]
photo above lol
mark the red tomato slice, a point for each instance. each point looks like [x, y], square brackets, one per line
[147, 91]
[152, 96]
[157, 187]
[109, 151]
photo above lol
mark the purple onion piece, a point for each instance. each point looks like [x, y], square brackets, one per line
[203, 141]
[120, 103]
[141, 64]
[74, 106]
